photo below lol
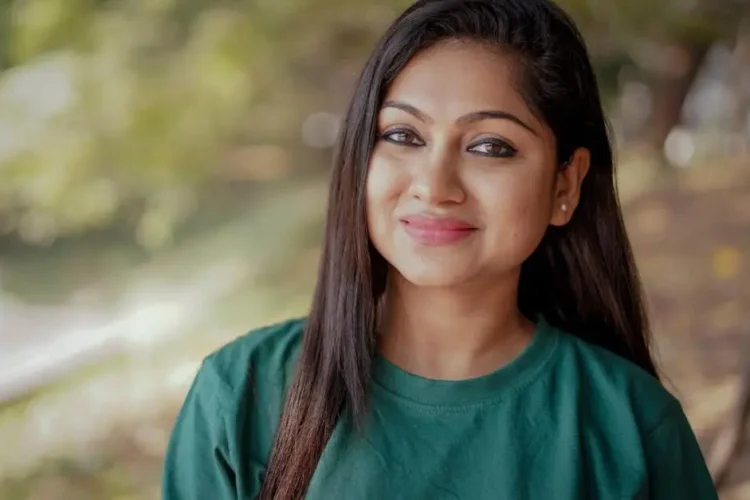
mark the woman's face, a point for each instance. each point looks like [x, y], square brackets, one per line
[463, 180]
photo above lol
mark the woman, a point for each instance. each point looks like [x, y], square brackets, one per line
[477, 330]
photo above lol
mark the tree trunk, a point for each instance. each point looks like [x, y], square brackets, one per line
[740, 76]
[669, 89]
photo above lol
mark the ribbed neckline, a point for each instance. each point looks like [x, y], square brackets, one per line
[487, 388]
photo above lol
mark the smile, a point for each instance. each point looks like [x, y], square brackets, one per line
[436, 231]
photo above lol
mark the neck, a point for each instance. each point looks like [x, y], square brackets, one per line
[455, 333]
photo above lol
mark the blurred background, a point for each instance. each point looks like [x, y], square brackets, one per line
[163, 169]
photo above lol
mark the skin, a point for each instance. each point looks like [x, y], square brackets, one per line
[451, 310]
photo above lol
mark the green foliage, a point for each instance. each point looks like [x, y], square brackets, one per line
[108, 106]
[631, 24]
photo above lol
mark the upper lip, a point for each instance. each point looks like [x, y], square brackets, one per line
[436, 223]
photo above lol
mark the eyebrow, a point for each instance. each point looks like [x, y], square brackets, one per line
[463, 120]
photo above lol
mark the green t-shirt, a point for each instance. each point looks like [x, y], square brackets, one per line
[565, 420]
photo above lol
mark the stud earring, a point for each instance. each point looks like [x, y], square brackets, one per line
[564, 207]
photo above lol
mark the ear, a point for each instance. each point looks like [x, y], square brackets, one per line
[568, 186]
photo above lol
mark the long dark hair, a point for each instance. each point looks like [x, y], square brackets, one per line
[582, 278]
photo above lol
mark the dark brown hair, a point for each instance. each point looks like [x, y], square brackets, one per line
[582, 278]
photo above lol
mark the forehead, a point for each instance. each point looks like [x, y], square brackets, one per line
[453, 78]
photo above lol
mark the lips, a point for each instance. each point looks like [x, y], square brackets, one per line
[430, 230]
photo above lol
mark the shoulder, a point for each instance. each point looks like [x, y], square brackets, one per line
[229, 415]
[632, 412]
[264, 356]
[618, 384]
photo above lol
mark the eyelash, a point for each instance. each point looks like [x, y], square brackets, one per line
[416, 142]
[388, 136]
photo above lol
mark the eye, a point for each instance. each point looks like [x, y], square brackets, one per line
[494, 148]
[402, 137]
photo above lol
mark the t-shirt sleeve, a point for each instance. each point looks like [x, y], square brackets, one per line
[676, 466]
[197, 464]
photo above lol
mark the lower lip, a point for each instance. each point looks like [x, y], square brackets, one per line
[431, 236]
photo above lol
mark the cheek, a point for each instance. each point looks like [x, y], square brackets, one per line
[383, 190]
[517, 210]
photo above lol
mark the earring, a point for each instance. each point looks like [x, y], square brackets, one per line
[564, 207]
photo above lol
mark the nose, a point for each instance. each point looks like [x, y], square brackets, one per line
[436, 178]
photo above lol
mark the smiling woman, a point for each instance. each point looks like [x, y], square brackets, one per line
[477, 329]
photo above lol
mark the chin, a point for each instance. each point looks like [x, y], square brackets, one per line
[432, 275]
